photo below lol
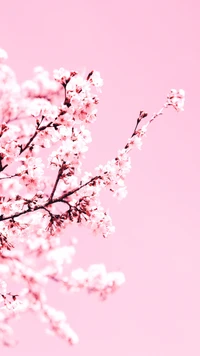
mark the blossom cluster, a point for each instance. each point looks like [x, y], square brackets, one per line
[35, 210]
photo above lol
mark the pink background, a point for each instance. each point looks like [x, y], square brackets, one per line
[142, 50]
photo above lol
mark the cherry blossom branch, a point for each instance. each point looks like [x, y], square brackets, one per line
[39, 234]
[61, 198]
[27, 145]
[39, 129]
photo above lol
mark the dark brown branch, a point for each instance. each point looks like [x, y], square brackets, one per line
[14, 175]
[56, 182]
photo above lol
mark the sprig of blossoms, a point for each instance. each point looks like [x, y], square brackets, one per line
[176, 98]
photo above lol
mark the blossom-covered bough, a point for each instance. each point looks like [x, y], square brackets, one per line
[34, 209]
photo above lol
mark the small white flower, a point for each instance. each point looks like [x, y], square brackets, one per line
[138, 142]
[3, 55]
